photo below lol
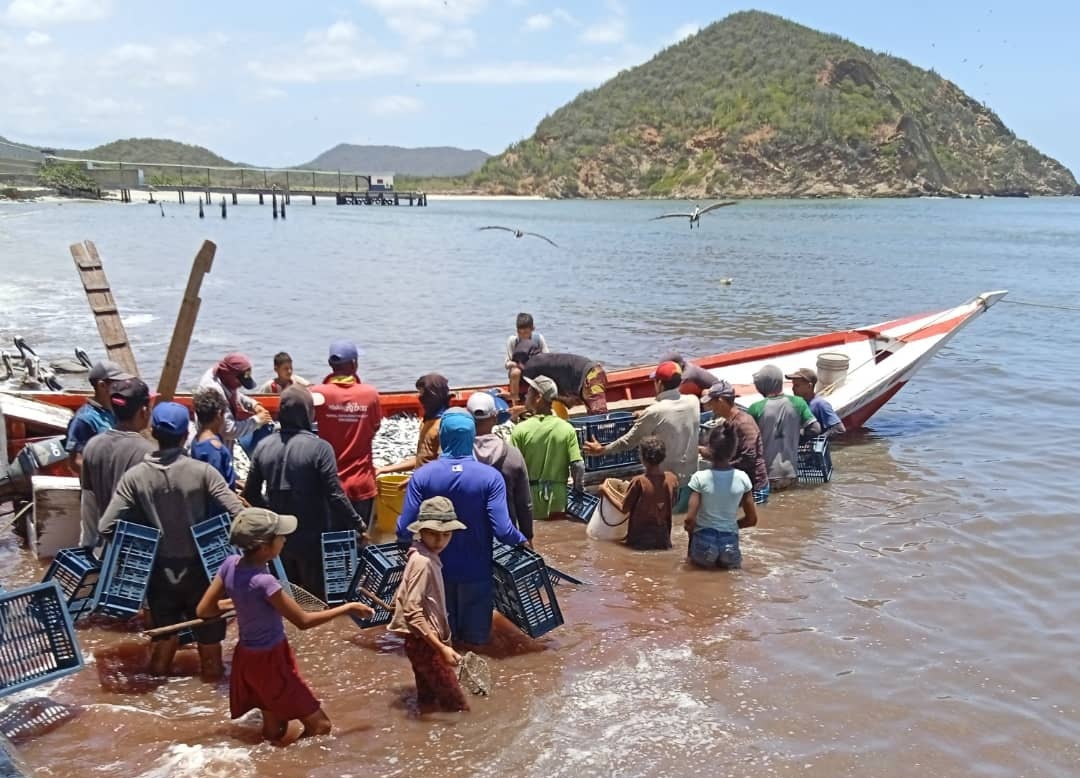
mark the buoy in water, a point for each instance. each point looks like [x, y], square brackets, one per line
[727, 281]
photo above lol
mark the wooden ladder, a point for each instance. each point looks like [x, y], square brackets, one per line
[103, 305]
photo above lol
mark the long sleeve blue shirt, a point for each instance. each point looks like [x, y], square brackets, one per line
[479, 497]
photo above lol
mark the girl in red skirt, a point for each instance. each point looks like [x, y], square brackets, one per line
[264, 672]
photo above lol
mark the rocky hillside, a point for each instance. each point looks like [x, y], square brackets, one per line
[433, 161]
[755, 105]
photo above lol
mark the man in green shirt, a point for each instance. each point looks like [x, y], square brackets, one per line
[782, 419]
[550, 448]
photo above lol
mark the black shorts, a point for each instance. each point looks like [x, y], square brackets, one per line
[176, 586]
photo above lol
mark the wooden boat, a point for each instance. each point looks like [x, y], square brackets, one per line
[883, 357]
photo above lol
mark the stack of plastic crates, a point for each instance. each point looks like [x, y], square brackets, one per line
[37, 639]
[125, 571]
[606, 429]
[815, 461]
[212, 543]
[523, 590]
[76, 571]
[379, 572]
[580, 505]
[339, 564]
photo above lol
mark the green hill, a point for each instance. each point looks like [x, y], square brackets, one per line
[434, 161]
[152, 150]
[755, 105]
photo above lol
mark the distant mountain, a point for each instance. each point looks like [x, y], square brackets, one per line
[158, 150]
[431, 161]
[756, 105]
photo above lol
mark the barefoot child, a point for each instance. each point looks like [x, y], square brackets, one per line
[649, 500]
[715, 497]
[420, 609]
[264, 671]
[526, 343]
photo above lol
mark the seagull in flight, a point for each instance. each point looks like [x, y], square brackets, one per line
[696, 214]
[522, 233]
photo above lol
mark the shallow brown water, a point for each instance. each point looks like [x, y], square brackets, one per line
[917, 616]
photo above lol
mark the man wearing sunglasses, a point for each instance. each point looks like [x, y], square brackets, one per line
[242, 414]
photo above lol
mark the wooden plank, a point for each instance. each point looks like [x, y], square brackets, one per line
[103, 306]
[185, 321]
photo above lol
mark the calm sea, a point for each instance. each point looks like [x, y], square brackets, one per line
[917, 616]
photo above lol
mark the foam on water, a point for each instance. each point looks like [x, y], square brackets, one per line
[184, 761]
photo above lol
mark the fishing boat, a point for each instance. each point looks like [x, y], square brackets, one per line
[881, 359]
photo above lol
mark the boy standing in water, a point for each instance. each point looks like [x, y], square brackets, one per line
[649, 500]
[208, 447]
[264, 672]
[420, 609]
[519, 348]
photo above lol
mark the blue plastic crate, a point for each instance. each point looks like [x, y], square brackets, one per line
[580, 505]
[212, 542]
[523, 590]
[379, 571]
[76, 571]
[815, 462]
[126, 570]
[605, 429]
[339, 563]
[37, 638]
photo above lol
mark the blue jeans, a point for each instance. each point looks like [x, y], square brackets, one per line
[713, 548]
[468, 609]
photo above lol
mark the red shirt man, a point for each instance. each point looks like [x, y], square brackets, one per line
[348, 417]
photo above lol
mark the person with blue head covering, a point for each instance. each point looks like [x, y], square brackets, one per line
[479, 498]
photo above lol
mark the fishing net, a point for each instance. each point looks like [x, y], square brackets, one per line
[474, 674]
[306, 600]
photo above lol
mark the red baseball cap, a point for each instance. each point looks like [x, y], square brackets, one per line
[665, 371]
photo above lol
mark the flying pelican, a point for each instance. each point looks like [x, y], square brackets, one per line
[696, 214]
[522, 233]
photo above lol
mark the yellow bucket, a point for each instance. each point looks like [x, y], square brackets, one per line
[389, 501]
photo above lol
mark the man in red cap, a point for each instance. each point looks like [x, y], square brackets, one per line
[674, 418]
[349, 416]
[242, 414]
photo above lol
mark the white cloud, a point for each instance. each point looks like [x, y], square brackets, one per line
[528, 73]
[131, 53]
[39, 13]
[35, 38]
[610, 31]
[455, 11]
[565, 16]
[340, 52]
[270, 93]
[538, 22]
[427, 23]
[683, 32]
[395, 105]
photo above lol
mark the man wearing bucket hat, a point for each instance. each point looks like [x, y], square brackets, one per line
[479, 499]
[243, 416]
[171, 491]
[804, 384]
[492, 450]
[420, 609]
[782, 419]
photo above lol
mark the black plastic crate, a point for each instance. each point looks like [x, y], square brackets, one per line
[606, 428]
[126, 569]
[212, 543]
[815, 461]
[339, 560]
[379, 570]
[523, 590]
[76, 571]
[37, 639]
[580, 505]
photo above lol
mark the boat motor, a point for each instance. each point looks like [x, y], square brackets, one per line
[34, 458]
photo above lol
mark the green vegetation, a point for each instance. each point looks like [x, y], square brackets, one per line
[68, 177]
[755, 104]
[153, 150]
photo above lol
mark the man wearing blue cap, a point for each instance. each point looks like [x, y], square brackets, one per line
[479, 499]
[171, 491]
[348, 416]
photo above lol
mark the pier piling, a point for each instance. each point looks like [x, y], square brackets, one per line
[201, 215]
[273, 200]
[224, 213]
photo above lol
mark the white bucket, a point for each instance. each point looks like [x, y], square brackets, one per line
[608, 522]
[832, 369]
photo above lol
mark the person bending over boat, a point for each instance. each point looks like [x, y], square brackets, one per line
[520, 348]
[243, 415]
[477, 492]
[577, 378]
[301, 478]
[96, 415]
[283, 376]
[549, 446]
[695, 380]
[492, 450]
[349, 416]
[172, 492]
[803, 384]
[675, 419]
[433, 391]
[783, 421]
[112, 453]
[749, 453]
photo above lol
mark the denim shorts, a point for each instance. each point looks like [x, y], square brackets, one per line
[468, 609]
[713, 548]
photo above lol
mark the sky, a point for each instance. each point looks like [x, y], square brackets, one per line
[276, 83]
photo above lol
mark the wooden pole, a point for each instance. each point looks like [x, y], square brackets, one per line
[185, 322]
[103, 305]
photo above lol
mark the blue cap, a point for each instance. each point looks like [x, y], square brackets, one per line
[502, 407]
[170, 418]
[343, 351]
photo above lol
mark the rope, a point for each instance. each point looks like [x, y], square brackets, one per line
[1042, 305]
